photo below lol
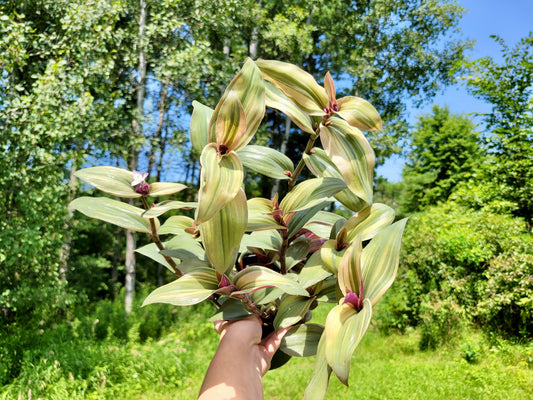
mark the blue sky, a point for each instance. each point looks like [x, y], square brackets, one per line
[512, 20]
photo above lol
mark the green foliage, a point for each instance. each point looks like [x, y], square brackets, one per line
[507, 87]
[458, 262]
[444, 150]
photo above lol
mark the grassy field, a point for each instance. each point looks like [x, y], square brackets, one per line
[384, 367]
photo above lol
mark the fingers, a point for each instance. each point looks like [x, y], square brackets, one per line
[272, 342]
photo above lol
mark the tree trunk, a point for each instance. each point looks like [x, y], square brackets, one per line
[129, 285]
[64, 255]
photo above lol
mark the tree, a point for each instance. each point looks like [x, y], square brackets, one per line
[508, 87]
[444, 150]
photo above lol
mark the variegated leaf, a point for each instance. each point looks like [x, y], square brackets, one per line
[350, 274]
[302, 340]
[318, 386]
[297, 251]
[369, 221]
[200, 118]
[112, 180]
[258, 215]
[331, 257]
[322, 223]
[175, 225]
[359, 113]
[380, 260]
[313, 271]
[191, 288]
[266, 161]
[349, 150]
[230, 123]
[231, 310]
[165, 188]
[298, 85]
[310, 193]
[113, 211]
[184, 247]
[249, 86]
[151, 251]
[299, 219]
[253, 278]
[275, 98]
[343, 331]
[291, 310]
[327, 291]
[220, 180]
[266, 239]
[222, 234]
[167, 205]
[320, 165]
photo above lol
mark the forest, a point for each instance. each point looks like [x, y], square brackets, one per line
[115, 83]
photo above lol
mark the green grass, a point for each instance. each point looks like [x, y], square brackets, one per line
[66, 366]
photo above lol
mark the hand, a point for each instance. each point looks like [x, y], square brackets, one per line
[241, 360]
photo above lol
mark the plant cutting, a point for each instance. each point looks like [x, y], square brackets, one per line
[278, 258]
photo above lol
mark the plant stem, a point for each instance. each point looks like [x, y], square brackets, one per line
[283, 250]
[301, 164]
[158, 243]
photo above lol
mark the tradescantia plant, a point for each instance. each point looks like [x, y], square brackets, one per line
[276, 258]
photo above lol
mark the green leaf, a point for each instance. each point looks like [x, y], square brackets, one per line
[175, 225]
[311, 192]
[322, 223]
[275, 98]
[380, 259]
[112, 180]
[344, 330]
[291, 310]
[220, 181]
[222, 234]
[320, 165]
[185, 247]
[296, 84]
[270, 240]
[369, 221]
[167, 205]
[265, 295]
[191, 288]
[302, 340]
[313, 271]
[297, 251]
[301, 218]
[258, 215]
[165, 188]
[266, 161]
[317, 387]
[151, 251]
[351, 153]
[113, 211]
[200, 118]
[253, 278]
[327, 290]
[231, 122]
[359, 113]
[231, 310]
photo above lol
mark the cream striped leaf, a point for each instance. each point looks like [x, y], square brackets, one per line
[220, 179]
[253, 278]
[343, 331]
[331, 257]
[167, 205]
[318, 386]
[201, 115]
[297, 84]
[113, 211]
[359, 113]
[258, 215]
[311, 192]
[191, 288]
[350, 274]
[276, 99]
[380, 260]
[302, 340]
[349, 150]
[165, 188]
[313, 271]
[112, 180]
[320, 165]
[231, 122]
[175, 225]
[249, 86]
[266, 161]
[369, 221]
[222, 234]
[322, 223]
